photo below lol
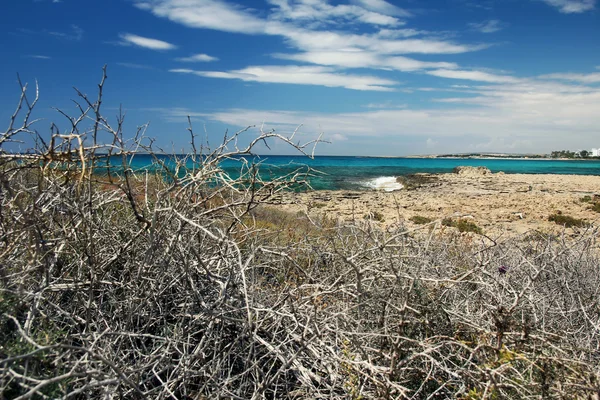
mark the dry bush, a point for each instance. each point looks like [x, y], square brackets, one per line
[180, 285]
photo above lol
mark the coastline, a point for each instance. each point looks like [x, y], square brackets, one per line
[501, 204]
[518, 158]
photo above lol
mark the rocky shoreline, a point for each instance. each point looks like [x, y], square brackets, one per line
[500, 204]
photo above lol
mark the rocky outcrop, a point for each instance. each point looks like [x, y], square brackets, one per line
[472, 171]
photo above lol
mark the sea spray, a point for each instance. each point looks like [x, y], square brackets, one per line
[385, 183]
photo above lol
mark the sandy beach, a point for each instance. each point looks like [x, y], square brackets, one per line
[501, 204]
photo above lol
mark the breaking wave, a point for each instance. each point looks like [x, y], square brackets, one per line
[385, 183]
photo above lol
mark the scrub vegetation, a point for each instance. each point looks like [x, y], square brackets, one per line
[567, 221]
[186, 284]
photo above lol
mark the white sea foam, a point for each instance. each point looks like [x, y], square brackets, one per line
[385, 183]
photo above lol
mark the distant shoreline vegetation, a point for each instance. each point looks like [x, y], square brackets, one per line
[573, 154]
[492, 155]
[557, 154]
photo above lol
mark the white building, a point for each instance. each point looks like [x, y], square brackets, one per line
[595, 153]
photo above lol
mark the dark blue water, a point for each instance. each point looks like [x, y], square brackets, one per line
[358, 172]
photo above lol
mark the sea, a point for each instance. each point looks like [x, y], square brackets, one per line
[378, 173]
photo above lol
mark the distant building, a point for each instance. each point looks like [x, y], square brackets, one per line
[595, 153]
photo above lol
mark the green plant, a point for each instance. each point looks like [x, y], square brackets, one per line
[468, 226]
[586, 199]
[567, 221]
[462, 225]
[448, 222]
[595, 207]
[420, 220]
[375, 215]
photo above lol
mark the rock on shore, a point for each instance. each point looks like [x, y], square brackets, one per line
[472, 171]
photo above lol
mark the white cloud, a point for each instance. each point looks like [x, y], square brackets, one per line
[39, 57]
[135, 66]
[209, 14]
[490, 26]
[321, 13]
[300, 23]
[400, 33]
[473, 76]
[148, 43]
[337, 137]
[222, 16]
[300, 75]
[519, 117]
[572, 6]
[363, 59]
[425, 46]
[582, 78]
[310, 40]
[378, 19]
[197, 58]
[382, 7]
[385, 105]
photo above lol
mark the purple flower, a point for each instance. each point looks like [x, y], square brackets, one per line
[502, 269]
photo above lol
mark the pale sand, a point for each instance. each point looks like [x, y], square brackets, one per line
[501, 204]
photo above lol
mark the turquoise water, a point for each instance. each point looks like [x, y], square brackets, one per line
[359, 173]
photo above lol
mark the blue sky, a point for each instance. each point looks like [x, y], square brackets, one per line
[377, 77]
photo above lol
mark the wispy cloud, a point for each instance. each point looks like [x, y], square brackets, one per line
[487, 5]
[311, 40]
[490, 26]
[363, 59]
[582, 78]
[301, 24]
[572, 6]
[383, 7]
[75, 34]
[148, 43]
[479, 76]
[39, 57]
[135, 66]
[218, 15]
[385, 105]
[400, 33]
[299, 75]
[321, 13]
[197, 58]
[211, 14]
